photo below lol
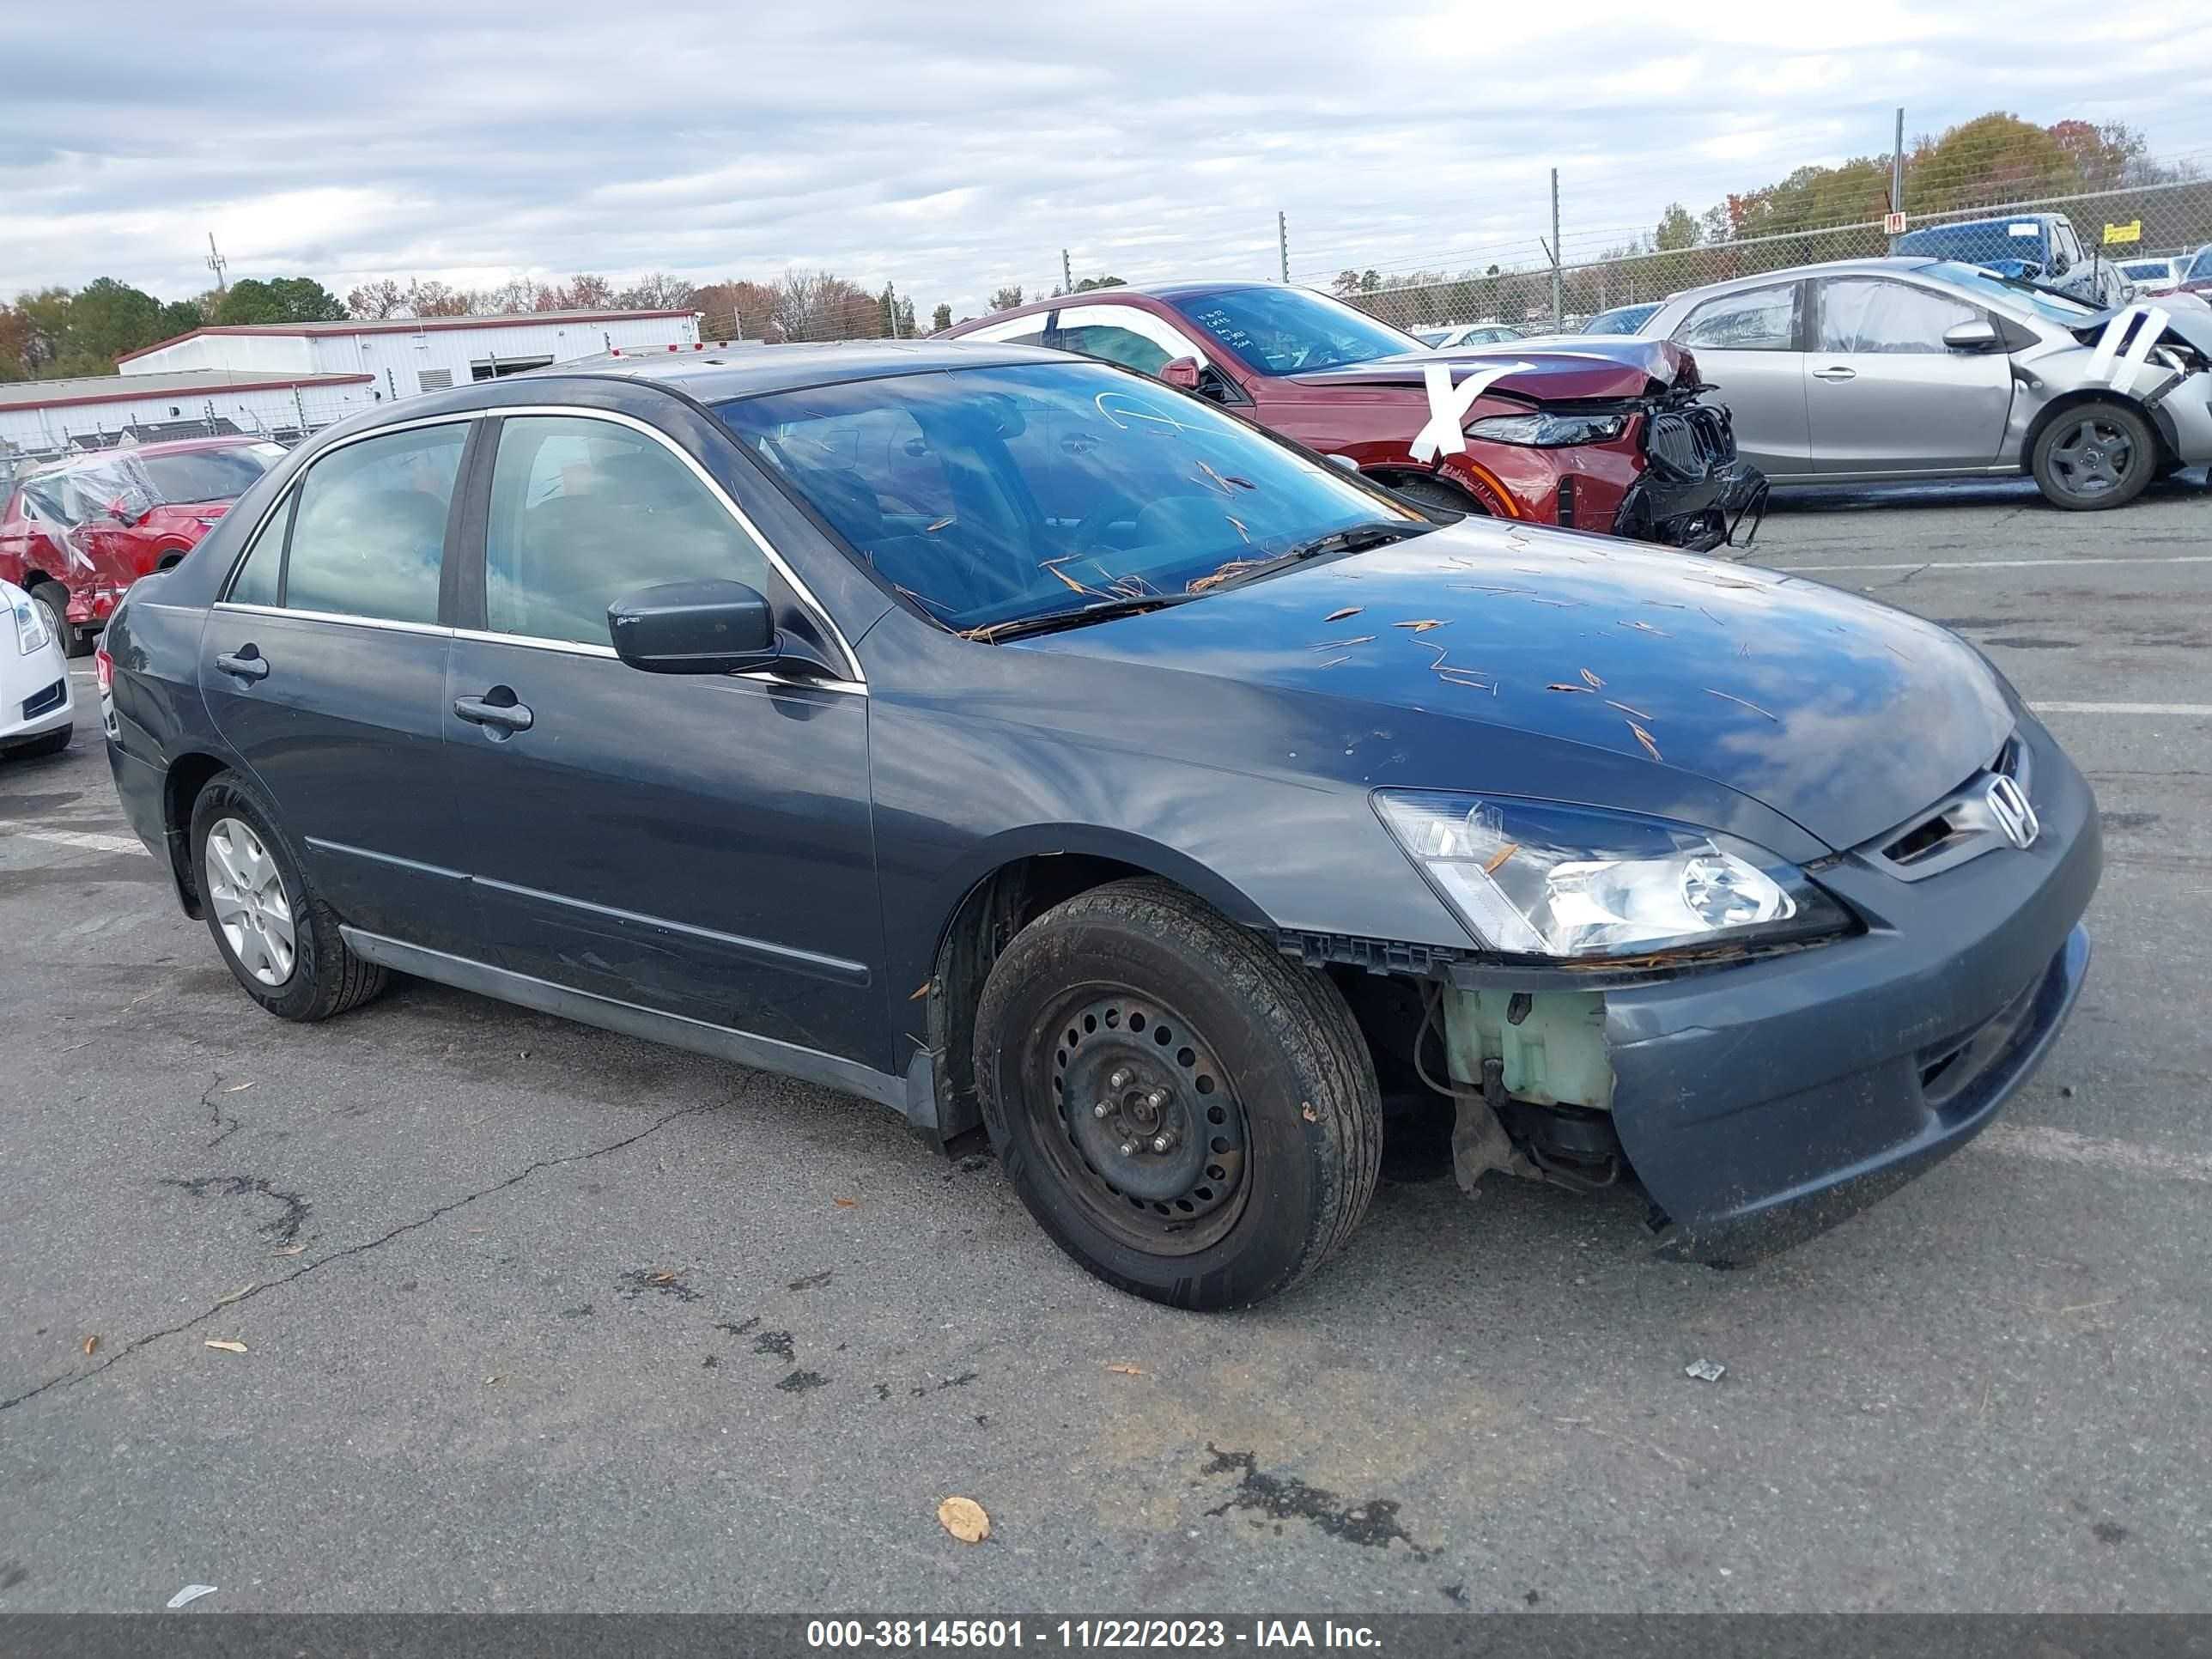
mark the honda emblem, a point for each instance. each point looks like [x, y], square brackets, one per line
[2008, 806]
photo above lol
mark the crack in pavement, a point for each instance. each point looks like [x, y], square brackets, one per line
[226, 1127]
[70, 1379]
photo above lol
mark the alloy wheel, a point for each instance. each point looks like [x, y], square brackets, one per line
[2092, 458]
[247, 894]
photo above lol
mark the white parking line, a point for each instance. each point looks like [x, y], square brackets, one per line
[2000, 564]
[2186, 708]
[91, 843]
[2063, 1146]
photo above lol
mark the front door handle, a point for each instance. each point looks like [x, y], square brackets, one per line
[246, 663]
[506, 716]
[1836, 373]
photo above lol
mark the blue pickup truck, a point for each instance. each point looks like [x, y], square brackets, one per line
[2041, 247]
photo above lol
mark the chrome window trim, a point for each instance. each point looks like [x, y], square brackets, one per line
[776, 559]
[387, 623]
[293, 485]
[580, 648]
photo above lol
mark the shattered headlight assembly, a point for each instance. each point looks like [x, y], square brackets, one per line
[31, 630]
[1533, 879]
[1541, 430]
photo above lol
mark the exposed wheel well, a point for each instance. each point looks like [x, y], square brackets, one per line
[188, 775]
[1432, 489]
[170, 557]
[995, 909]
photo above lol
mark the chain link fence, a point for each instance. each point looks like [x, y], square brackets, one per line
[2171, 219]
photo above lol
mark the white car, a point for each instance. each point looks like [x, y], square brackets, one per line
[2150, 277]
[36, 704]
[1466, 334]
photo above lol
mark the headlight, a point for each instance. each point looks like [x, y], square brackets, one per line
[1550, 431]
[31, 630]
[1539, 880]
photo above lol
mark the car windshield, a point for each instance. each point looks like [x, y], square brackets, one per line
[991, 494]
[2146, 270]
[1983, 241]
[1292, 331]
[1621, 319]
[1989, 285]
[2201, 267]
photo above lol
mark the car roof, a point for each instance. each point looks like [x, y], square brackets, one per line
[1885, 266]
[164, 447]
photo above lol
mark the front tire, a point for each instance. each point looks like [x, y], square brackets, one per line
[1242, 1128]
[279, 937]
[2094, 456]
[53, 599]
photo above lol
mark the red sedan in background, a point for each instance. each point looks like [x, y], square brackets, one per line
[1607, 435]
[76, 534]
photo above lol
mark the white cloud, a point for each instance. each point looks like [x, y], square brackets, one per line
[951, 151]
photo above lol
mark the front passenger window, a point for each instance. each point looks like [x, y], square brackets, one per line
[1865, 314]
[585, 511]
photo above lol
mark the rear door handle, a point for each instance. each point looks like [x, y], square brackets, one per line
[245, 664]
[508, 717]
[1837, 373]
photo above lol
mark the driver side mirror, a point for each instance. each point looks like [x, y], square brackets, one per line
[695, 628]
[1181, 372]
[1979, 335]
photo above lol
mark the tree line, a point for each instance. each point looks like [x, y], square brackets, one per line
[1821, 213]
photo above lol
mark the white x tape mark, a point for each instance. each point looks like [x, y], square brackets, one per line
[1449, 403]
[2107, 364]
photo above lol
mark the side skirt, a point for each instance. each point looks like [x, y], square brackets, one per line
[719, 1041]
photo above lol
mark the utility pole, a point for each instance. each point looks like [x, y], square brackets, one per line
[1066, 273]
[1282, 242]
[1897, 172]
[1558, 311]
[217, 263]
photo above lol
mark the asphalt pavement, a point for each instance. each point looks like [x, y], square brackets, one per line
[535, 1317]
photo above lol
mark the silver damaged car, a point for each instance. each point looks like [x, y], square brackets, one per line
[1878, 369]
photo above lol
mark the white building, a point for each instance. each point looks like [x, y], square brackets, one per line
[43, 418]
[405, 355]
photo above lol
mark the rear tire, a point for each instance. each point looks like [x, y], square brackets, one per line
[2094, 456]
[1244, 1126]
[279, 937]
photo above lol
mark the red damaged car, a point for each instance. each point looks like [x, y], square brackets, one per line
[1608, 436]
[76, 534]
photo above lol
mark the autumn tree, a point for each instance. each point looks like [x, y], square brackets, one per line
[280, 299]
[658, 291]
[379, 299]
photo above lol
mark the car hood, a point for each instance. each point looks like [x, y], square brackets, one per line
[1593, 367]
[1841, 715]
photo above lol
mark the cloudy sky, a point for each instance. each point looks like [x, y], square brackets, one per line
[950, 151]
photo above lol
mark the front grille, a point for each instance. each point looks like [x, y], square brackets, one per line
[1956, 829]
[44, 701]
[1693, 440]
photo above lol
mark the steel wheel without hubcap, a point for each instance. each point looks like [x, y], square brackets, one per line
[1141, 1119]
[247, 896]
[2093, 457]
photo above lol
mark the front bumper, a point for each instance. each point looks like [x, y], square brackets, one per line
[1696, 511]
[1760, 1104]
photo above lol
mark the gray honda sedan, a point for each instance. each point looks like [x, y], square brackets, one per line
[1873, 369]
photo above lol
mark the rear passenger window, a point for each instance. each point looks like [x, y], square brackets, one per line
[1757, 319]
[260, 577]
[369, 532]
[584, 511]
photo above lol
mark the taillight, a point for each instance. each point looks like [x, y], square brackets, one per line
[103, 671]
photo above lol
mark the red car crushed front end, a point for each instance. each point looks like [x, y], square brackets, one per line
[1610, 436]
